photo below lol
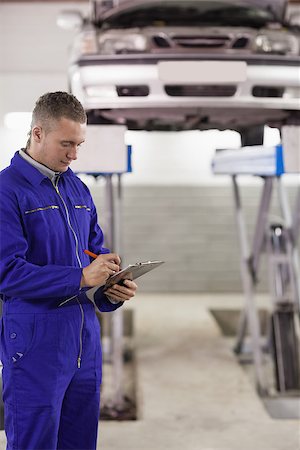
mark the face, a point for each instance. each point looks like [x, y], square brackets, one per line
[57, 148]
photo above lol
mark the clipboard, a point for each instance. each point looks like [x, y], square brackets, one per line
[131, 272]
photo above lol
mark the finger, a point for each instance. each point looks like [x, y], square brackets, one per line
[113, 266]
[116, 295]
[121, 290]
[108, 266]
[112, 257]
[131, 284]
[111, 272]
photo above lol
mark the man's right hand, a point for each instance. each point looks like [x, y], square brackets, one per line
[100, 270]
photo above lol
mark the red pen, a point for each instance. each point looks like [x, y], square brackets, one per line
[93, 255]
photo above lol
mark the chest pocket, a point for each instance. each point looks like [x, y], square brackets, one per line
[41, 208]
[83, 207]
[41, 217]
[82, 213]
[42, 220]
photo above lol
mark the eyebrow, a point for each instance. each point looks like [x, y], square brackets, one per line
[71, 142]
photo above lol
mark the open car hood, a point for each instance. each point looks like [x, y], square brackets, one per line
[277, 7]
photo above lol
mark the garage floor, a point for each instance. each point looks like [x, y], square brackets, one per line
[193, 394]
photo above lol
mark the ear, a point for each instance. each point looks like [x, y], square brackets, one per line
[37, 133]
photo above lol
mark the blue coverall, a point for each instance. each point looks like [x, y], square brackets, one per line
[51, 354]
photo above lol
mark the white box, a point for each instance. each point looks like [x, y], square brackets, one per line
[104, 150]
[290, 135]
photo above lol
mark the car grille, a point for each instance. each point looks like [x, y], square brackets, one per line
[200, 90]
[198, 42]
[201, 41]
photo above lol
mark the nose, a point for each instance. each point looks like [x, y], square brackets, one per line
[72, 154]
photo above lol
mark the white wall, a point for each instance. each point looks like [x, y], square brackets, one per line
[33, 60]
[33, 52]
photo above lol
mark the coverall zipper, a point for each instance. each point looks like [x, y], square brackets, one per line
[80, 335]
[68, 219]
[80, 265]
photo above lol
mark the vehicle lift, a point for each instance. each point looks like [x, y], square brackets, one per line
[279, 241]
[115, 160]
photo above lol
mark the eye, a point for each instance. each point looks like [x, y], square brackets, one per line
[65, 144]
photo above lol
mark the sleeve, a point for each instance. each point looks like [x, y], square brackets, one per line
[103, 303]
[20, 278]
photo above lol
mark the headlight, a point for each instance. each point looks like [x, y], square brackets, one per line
[114, 44]
[277, 43]
[85, 44]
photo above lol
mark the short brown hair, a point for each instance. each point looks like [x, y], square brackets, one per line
[55, 105]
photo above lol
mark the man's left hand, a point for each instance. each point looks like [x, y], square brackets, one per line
[122, 293]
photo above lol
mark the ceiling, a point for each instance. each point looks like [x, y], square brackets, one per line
[46, 1]
[78, 1]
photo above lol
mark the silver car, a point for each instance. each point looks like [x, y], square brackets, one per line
[187, 64]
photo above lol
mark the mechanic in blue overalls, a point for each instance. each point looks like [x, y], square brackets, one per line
[50, 339]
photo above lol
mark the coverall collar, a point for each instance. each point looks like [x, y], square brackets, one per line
[32, 173]
[43, 169]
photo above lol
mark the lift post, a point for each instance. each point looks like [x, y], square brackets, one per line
[107, 157]
[113, 204]
[279, 241]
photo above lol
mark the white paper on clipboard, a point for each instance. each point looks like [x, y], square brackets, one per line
[131, 272]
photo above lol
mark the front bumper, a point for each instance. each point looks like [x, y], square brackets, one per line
[95, 82]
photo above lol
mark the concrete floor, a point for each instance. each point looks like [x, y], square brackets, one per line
[193, 394]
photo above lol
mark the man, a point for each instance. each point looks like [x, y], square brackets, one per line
[50, 339]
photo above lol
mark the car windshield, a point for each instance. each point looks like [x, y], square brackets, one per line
[189, 13]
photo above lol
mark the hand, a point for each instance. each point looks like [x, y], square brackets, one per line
[122, 293]
[100, 270]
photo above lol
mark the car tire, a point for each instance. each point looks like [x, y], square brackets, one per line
[285, 346]
[252, 135]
